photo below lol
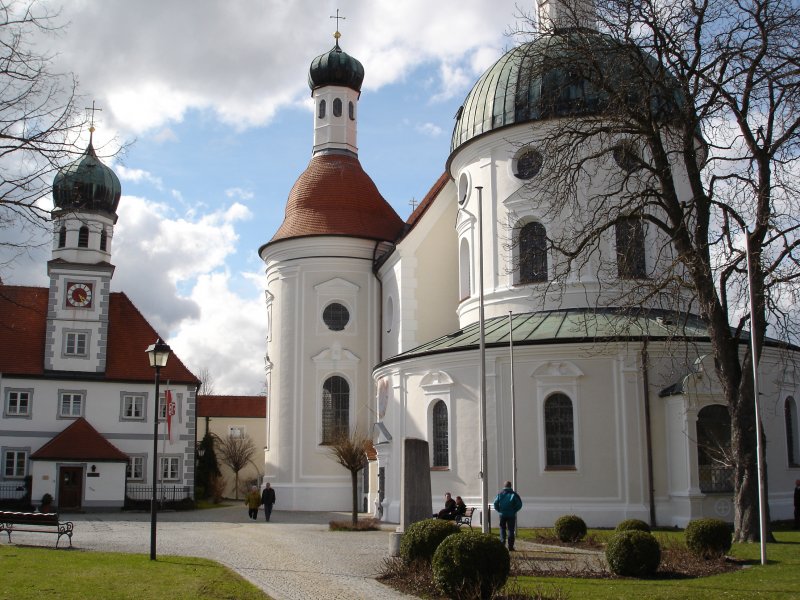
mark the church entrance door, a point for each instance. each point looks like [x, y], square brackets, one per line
[70, 483]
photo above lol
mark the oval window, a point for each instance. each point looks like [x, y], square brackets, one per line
[463, 189]
[352, 109]
[626, 157]
[337, 107]
[529, 163]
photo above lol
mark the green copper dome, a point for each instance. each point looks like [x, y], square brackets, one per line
[542, 79]
[87, 184]
[336, 67]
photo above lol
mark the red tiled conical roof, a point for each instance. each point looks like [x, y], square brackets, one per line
[334, 196]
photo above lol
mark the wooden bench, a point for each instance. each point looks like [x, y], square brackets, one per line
[466, 518]
[35, 523]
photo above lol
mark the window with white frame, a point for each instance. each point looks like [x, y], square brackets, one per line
[133, 407]
[170, 468]
[18, 403]
[14, 464]
[134, 470]
[71, 404]
[162, 407]
[335, 409]
[441, 450]
[75, 343]
[559, 431]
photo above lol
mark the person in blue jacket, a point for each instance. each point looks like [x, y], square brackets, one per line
[507, 504]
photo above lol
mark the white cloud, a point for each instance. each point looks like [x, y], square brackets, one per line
[429, 129]
[237, 192]
[136, 175]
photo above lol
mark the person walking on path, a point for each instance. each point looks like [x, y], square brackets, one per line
[268, 499]
[507, 504]
[253, 501]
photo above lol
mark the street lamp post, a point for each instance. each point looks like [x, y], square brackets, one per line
[158, 354]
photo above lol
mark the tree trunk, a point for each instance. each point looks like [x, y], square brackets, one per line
[354, 480]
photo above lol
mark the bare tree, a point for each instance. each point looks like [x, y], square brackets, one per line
[350, 451]
[206, 382]
[236, 452]
[40, 122]
[693, 104]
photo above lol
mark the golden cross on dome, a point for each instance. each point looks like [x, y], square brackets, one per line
[337, 35]
[91, 120]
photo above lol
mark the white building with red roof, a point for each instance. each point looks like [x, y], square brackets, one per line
[374, 324]
[75, 381]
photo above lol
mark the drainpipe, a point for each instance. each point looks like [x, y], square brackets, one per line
[648, 433]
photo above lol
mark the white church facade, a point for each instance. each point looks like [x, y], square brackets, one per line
[373, 325]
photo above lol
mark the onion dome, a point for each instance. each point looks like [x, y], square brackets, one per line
[335, 196]
[336, 67]
[542, 79]
[87, 184]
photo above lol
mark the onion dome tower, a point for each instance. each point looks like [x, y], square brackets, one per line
[323, 297]
[86, 194]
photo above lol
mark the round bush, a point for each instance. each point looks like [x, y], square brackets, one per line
[570, 528]
[708, 538]
[633, 553]
[633, 525]
[471, 565]
[422, 538]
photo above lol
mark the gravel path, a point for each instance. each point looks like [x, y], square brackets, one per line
[292, 557]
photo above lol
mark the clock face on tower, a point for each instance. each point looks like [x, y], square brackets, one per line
[79, 295]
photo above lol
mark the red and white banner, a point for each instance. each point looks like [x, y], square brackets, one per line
[170, 413]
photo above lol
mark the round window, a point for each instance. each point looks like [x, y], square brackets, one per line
[529, 163]
[463, 189]
[626, 157]
[336, 316]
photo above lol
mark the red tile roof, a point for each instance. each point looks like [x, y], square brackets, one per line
[23, 319]
[334, 196]
[232, 406]
[80, 441]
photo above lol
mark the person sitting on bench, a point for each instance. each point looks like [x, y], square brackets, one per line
[449, 511]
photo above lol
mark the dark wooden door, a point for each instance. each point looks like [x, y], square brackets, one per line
[70, 485]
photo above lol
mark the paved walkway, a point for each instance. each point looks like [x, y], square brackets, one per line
[294, 556]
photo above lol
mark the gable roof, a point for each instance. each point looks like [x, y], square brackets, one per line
[232, 406]
[23, 323]
[80, 441]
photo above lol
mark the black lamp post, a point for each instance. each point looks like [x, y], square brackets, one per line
[158, 354]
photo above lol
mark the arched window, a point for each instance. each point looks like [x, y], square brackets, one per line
[103, 240]
[352, 110]
[790, 414]
[441, 448]
[321, 110]
[464, 267]
[559, 432]
[62, 236]
[532, 248]
[83, 237]
[335, 409]
[337, 107]
[715, 467]
[630, 249]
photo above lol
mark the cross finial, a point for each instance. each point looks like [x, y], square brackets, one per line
[413, 204]
[91, 120]
[337, 35]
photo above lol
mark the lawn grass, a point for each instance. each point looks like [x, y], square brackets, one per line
[779, 578]
[36, 573]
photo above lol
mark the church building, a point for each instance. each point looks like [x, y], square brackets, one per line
[75, 381]
[374, 326]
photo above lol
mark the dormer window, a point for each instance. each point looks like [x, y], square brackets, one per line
[337, 107]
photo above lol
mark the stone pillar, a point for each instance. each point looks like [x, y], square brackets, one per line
[416, 488]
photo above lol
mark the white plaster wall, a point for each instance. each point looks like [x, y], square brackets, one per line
[256, 430]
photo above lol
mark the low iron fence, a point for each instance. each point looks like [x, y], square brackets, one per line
[12, 491]
[164, 493]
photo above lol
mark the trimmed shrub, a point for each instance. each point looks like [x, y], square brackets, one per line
[421, 539]
[471, 565]
[633, 553]
[633, 525]
[570, 528]
[708, 538]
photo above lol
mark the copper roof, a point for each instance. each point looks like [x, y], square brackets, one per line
[232, 406]
[334, 196]
[80, 441]
[23, 320]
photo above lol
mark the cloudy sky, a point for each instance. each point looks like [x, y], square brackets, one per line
[214, 97]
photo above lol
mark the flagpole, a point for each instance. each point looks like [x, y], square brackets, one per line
[513, 405]
[484, 454]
